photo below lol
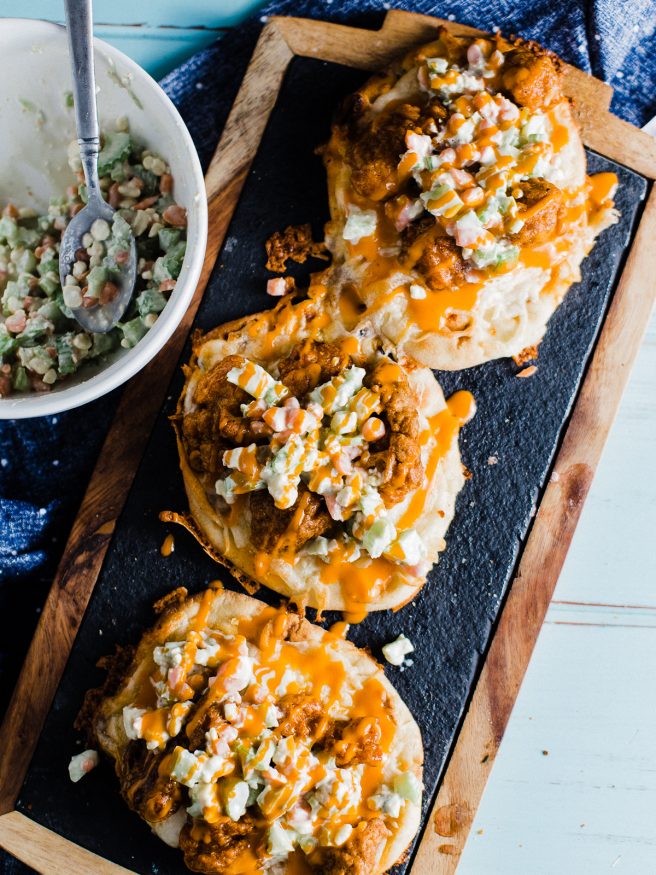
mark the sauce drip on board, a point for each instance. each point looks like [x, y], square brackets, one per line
[168, 546]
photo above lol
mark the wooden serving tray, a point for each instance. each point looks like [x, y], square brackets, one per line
[517, 623]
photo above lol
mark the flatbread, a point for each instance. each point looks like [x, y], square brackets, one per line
[230, 613]
[265, 339]
[469, 314]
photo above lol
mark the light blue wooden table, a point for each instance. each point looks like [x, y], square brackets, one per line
[573, 790]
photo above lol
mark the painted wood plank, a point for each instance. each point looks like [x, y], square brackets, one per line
[586, 805]
[583, 699]
[614, 560]
[158, 49]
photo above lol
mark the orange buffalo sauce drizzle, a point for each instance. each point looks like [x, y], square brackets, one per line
[597, 198]
[443, 428]
[389, 373]
[286, 544]
[200, 620]
[283, 322]
[360, 584]
[338, 630]
[559, 137]
[364, 581]
[428, 312]
[601, 189]
[154, 723]
[249, 861]
[327, 676]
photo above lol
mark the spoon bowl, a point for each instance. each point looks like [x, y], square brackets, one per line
[102, 317]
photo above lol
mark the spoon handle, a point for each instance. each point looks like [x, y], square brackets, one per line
[79, 23]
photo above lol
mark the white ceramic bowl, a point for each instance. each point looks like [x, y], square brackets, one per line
[34, 166]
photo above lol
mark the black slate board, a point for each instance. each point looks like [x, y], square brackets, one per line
[519, 423]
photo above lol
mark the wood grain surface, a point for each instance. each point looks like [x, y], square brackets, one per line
[522, 616]
[48, 852]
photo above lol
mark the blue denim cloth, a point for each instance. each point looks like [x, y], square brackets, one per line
[45, 464]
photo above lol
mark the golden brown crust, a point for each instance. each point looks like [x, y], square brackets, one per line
[274, 530]
[397, 457]
[294, 243]
[526, 355]
[374, 152]
[216, 422]
[310, 363]
[533, 75]
[216, 848]
[541, 206]
[153, 796]
[426, 248]
[360, 854]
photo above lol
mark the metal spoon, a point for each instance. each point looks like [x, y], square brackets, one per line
[101, 317]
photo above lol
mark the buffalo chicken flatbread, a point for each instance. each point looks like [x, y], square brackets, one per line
[461, 210]
[315, 463]
[258, 742]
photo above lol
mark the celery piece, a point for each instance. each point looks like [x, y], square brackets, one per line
[116, 147]
[133, 331]
[150, 301]
[168, 266]
[34, 331]
[7, 343]
[96, 279]
[19, 379]
[168, 237]
[66, 363]
[104, 343]
[8, 230]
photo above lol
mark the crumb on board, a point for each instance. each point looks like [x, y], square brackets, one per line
[527, 372]
[529, 354]
[492, 460]
[294, 242]
[449, 850]
[279, 286]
